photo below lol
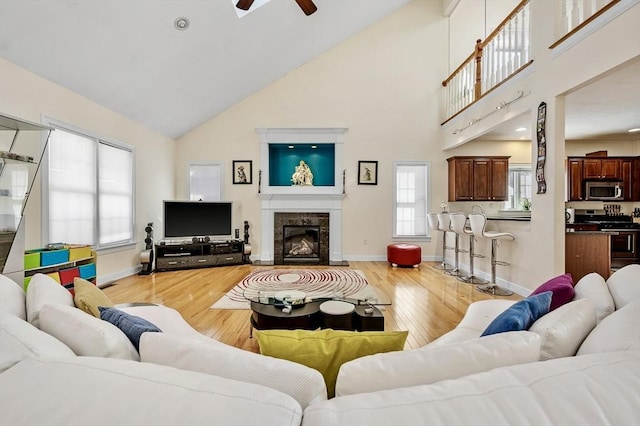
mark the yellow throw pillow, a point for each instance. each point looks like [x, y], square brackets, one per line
[88, 297]
[326, 350]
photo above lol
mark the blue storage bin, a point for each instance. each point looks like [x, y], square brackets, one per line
[53, 257]
[87, 271]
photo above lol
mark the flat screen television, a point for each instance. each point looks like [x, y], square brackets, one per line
[197, 219]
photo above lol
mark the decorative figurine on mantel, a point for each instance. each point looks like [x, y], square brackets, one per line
[302, 175]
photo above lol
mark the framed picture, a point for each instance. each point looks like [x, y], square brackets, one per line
[242, 172]
[367, 172]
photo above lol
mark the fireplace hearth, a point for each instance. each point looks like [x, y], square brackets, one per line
[301, 238]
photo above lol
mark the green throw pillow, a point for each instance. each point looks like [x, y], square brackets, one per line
[87, 297]
[326, 350]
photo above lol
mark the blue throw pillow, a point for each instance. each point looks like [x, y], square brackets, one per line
[130, 325]
[521, 315]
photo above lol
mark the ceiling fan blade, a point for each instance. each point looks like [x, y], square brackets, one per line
[307, 6]
[244, 4]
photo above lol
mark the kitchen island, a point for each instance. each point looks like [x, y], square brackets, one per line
[586, 252]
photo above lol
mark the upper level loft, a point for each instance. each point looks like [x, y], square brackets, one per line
[531, 31]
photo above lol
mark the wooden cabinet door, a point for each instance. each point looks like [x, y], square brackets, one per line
[592, 168]
[460, 179]
[482, 179]
[499, 179]
[611, 168]
[627, 179]
[635, 179]
[586, 253]
[574, 179]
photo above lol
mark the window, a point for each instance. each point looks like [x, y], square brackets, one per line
[520, 186]
[410, 205]
[205, 181]
[89, 195]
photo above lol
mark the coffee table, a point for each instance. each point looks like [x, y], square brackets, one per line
[267, 314]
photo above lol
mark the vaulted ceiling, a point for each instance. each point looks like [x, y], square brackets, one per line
[128, 56]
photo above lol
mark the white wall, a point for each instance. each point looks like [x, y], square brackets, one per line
[28, 96]
[383, 85]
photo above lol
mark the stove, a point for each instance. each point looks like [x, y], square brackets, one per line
[606, 221]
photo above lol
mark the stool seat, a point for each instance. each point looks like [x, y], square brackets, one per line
[404, 254]
[336, 307]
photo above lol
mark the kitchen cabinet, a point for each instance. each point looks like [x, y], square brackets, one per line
[587, 252]
[574, 179]
[478, 178]
[625, 169]
[602, 168]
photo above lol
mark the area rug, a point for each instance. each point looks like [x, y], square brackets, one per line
[315, 283]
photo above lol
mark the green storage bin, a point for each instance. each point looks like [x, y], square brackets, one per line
[31, 260]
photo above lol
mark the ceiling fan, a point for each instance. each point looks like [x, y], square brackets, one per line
[307, 6]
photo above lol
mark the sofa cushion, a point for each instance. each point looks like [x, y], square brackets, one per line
[20, 340]
[476, 319]
[521, 314]
[12, 297]
[563, 330]
[624, 285]
[131, 325]
[44, 290]
[85, 334]
[429, 365]
[620, 331]
[593, 287]
[166, 319]
[304, 384]
[561, 287]
[101, 391]
[87, 297]
[326, 350]
[592, 389]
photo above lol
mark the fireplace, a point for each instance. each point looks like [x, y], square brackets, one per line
[321, 203]
[301, 238]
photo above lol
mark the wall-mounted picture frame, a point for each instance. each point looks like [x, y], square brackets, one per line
[367, 172]
[242, 172]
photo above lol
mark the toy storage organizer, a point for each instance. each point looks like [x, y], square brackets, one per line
[63, 265]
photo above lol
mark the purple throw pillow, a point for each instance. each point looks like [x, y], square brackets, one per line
[561, 287]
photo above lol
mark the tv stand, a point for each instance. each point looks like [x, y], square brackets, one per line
[187, 255]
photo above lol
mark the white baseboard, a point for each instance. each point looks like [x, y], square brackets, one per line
[105, 280]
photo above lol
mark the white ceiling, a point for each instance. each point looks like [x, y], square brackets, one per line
[127, 56]
[603, 110]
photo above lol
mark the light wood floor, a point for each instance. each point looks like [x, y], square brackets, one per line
[425, 301]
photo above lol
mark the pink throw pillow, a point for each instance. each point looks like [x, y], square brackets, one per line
[561, 287]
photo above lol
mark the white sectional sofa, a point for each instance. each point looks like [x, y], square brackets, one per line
[590, 373]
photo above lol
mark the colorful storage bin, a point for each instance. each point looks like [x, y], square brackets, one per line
[55, 276]
[87, 271]
[53, 257]
[31, 260]
[67, 275]
[27, 280]
[79, 252]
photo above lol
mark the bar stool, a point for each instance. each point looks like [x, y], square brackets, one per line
[478, 222]
[458, 225]
[458, 222]
[432, 218]
[444, 225]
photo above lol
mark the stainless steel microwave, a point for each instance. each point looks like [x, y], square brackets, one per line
[603, 190]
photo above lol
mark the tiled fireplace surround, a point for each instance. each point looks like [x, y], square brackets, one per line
[298, 200]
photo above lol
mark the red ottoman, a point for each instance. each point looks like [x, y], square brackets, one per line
[404, 255]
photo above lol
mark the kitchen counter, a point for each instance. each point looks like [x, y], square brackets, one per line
[512, 218]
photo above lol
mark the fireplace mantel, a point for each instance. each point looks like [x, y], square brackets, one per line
[302, 199]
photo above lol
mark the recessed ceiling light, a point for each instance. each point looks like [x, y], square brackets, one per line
[635, 129]
[313, 146]
[181, 23]
[521, 129]
[291, 147]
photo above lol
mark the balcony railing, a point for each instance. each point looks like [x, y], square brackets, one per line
[504, 53]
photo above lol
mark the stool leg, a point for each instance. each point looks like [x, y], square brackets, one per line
[443, 265]
[472, 279]
[492, 287]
